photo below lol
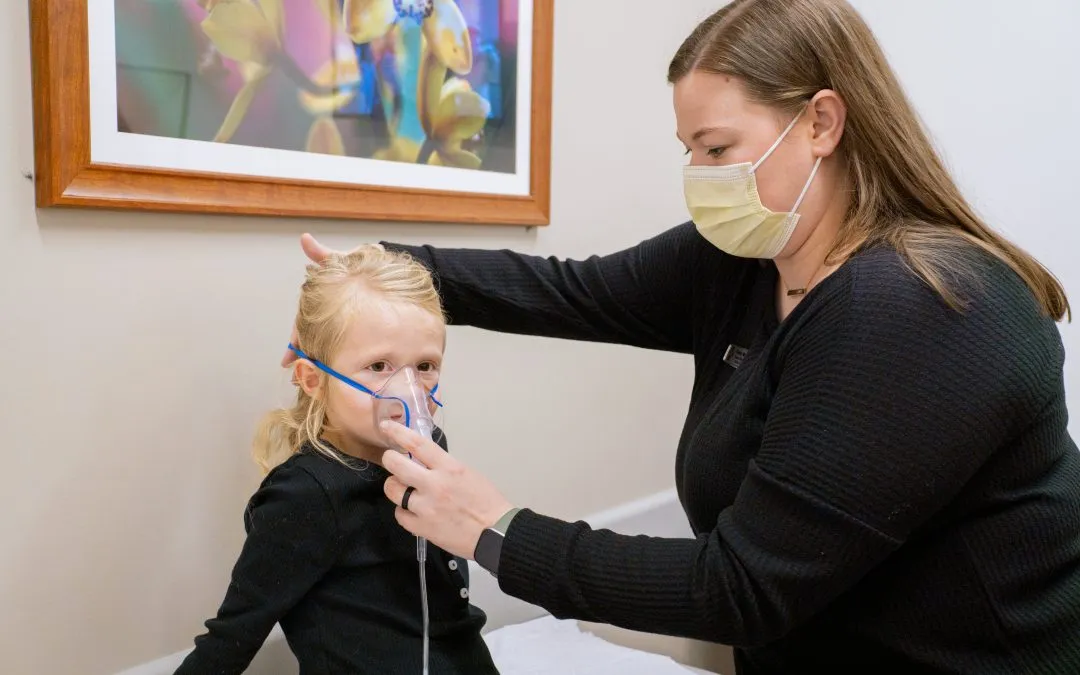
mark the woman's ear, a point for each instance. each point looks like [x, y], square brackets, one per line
[828, 113]
[308, 377]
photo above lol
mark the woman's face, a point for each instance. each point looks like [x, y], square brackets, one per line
[718, 126]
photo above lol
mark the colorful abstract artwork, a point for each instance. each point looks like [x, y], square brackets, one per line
[429, 110]
[417, 81]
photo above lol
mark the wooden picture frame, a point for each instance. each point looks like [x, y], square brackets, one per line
[67, 176]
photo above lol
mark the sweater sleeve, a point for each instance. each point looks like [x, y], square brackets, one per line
[640, 296]
[886, 404]
[291, 543]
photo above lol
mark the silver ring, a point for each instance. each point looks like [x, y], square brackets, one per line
[405, 498]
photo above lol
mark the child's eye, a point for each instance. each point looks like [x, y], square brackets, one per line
[427, 367]
[379, 367]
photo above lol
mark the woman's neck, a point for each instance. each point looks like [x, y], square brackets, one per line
[804, 269]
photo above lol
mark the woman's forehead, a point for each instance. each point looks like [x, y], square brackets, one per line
[708, 103]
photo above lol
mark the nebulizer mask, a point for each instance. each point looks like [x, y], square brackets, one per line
[407, 397]
[402, 395]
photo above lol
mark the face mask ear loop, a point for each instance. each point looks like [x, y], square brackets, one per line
[777, 143]
[806, 188]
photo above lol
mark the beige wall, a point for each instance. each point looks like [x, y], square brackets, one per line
[139, 350]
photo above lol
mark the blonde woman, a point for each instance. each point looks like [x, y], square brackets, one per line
[324, 556]
[875, 461]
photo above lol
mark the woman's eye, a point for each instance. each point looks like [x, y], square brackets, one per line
[715, 153]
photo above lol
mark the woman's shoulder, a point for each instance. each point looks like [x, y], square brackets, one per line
[881, 307]
[971, 287]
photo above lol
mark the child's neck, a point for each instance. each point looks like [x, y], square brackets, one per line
[355, 448]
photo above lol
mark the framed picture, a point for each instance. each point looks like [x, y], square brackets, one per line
[408, 110]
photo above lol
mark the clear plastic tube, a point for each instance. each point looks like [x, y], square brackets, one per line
[404, 399]
[421, 557]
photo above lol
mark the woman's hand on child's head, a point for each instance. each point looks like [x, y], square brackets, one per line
[313, 249]
[317, 253]
[451, 503]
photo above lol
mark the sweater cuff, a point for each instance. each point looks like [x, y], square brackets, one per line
[421, 253]
[535, 549]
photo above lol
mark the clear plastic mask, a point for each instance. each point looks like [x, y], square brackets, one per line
[406, 399]
[404, 395]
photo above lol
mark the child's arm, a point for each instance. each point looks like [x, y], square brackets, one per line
[292, 542]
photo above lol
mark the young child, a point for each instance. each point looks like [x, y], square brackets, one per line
[324, 556]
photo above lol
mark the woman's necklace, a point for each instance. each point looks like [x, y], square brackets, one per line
[802, 290]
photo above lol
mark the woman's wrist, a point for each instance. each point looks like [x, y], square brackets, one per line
[503, 523]
[488, 551]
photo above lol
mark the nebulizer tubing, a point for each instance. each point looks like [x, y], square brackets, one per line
[403, 387]
[408, 389]
[425, 426]
[421, 559]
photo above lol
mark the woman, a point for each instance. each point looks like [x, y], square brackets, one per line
[875, 460]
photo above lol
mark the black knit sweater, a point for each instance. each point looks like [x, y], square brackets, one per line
[882, 484]
[325, 558]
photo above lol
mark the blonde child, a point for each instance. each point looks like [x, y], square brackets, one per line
[324, 556]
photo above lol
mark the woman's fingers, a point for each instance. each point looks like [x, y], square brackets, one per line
[450, 504]
[317, 253]
[405, 470]
[426, 451]
[394, 489]
[313, 249]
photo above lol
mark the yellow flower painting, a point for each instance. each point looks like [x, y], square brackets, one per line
[420, 81]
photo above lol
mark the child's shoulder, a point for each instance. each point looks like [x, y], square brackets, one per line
[335, 473]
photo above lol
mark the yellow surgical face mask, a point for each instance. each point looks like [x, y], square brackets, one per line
[725, 206]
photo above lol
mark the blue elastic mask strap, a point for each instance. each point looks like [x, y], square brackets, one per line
[331, 372]
[353, 383]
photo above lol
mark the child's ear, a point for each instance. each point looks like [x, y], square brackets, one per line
[308, 377]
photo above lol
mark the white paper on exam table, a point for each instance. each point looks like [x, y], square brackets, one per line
[547, 645]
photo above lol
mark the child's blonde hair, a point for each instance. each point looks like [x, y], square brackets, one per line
[334, 293]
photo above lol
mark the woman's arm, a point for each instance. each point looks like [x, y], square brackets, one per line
[640, 296]
[887, 404]
[292, 541]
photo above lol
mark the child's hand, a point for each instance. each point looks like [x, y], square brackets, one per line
[451, 504]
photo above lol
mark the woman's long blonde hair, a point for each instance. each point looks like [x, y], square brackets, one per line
[786, 51]
[333, 295]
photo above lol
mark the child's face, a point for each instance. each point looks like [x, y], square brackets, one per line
[385, 337]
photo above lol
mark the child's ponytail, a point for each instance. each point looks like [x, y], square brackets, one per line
[277, 436]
